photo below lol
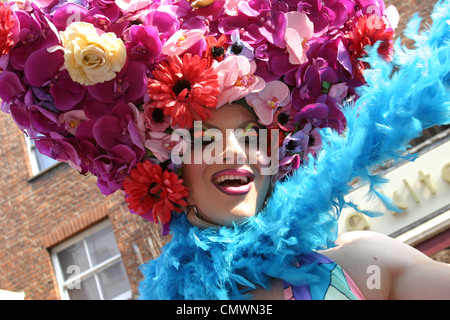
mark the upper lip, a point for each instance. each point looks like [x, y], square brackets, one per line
[227, 174]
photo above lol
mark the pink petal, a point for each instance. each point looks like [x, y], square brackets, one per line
[300, 23]
[263, 111]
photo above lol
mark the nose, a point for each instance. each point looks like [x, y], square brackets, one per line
[234, 152]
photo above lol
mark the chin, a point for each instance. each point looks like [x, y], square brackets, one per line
[235, 214]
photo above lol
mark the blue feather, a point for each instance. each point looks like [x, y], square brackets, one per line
[399, 101]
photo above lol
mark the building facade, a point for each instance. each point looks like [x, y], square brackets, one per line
[420, 188]
[62, 239]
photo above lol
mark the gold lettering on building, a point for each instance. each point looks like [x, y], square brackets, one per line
[446, 172]
[411, 191]
[399, 203]
[356, 221]
[425, 179]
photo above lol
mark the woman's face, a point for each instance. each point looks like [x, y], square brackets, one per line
[229, 191]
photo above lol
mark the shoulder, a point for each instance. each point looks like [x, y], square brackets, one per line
[359, 254]
[384, 268]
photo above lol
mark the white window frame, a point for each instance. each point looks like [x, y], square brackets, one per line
[63, 284]
[32, 149]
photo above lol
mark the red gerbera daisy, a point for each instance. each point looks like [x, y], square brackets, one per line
[6, 24]
[149, 189]
[185, 89]
[367, 31]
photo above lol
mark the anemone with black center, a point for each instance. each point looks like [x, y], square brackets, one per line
[237, 48]
[217, 51]
[158, 115]
[283, 118]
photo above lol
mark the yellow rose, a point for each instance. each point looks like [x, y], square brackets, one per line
[91, 58]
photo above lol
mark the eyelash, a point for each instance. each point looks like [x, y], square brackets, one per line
[251, 130]
[202, 131]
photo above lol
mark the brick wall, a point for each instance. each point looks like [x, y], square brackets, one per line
[37, 214]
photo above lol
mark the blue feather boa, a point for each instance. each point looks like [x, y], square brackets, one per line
[301, 214]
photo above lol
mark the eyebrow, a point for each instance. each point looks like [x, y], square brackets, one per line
[241, 126]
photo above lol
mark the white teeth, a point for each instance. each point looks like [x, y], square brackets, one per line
[244, 179]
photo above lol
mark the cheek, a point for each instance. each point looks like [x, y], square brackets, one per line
[263, 190]
[192, 175]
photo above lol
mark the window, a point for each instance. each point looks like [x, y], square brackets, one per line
[89, 266]
[38, 161]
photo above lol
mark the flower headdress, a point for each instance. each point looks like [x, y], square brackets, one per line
[102, 84]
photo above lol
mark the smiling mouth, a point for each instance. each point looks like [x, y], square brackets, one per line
[233, 182]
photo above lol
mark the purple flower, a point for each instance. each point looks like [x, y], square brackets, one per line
[113, 167]
[10, 85]
[68, 13]
[118, 128]
[42, 66]
[66, 93]
[326, 15]
[30, 40]
[129, 85]
[61, 148]
[287, 165]
[274, 28]
[143, 44]
[295, 143]
[166, 23]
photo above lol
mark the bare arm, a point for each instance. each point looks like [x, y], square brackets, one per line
[384, 268]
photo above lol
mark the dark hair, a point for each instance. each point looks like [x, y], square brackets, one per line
[244, 103]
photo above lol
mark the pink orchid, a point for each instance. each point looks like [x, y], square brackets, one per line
[338, 91]
[299, 30]
[236, 79]
[266, 102]
[160, 144]
[392, 17]
[181, 41]
[72, 119]
[131, 5]
[231, 7]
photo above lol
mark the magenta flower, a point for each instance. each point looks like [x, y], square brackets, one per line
[118, 128]
[129, 85]
[143, 44]
[284, 118]
[60, 148]
[166, 23]
[67, 13]
[67, 93]
[10, 85]
[113, 167]
[327, 14]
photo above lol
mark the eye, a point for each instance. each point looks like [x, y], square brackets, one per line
[252, 129]
[201, 136]
[249, 135]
